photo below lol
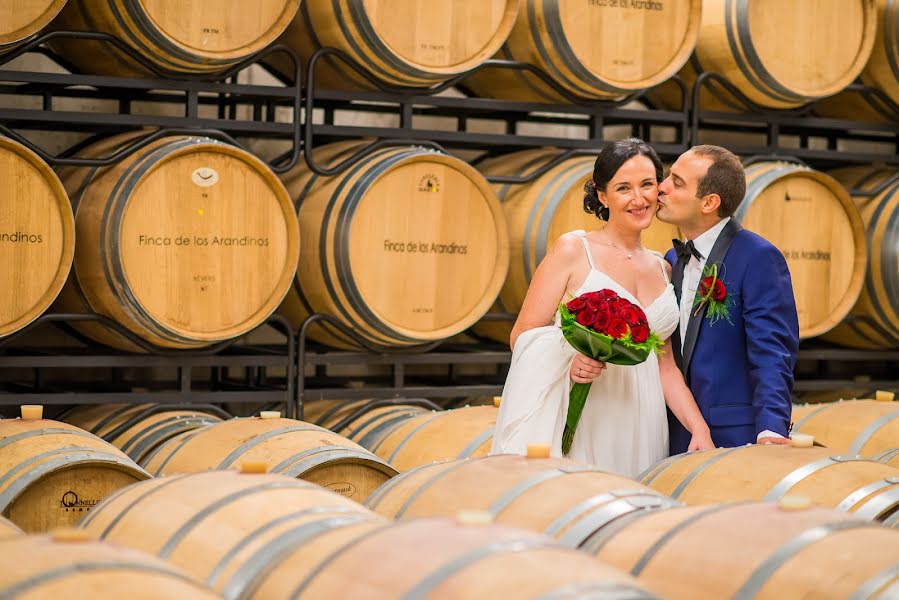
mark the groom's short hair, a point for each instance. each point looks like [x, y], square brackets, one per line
[725, 177]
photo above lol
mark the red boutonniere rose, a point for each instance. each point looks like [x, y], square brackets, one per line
[712, 292]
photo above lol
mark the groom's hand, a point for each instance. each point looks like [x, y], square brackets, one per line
[775, 440]
[584, 369]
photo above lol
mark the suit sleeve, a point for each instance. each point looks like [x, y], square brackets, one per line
[772, 338]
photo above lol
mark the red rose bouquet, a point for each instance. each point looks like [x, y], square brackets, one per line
[608, 328]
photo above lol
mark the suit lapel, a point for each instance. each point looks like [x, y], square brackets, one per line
[719, 250]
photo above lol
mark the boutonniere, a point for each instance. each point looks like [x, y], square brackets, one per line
[712, 292]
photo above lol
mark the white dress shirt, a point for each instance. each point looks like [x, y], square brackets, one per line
[692, 276]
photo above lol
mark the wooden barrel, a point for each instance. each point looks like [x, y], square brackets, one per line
[864, 487]
[441, 559]
[228, 529]
[404, 43]
[292, 448]
[780, 55]
[405, 247]
[873, 323]
[438, 435]
[37, 235]
[881, 73]
[51, 473]
[137, 429]
[66, 564]
[761, 551]
[370, 426]
[888, 457]
[537, 214]
[8, 528]
[865, 427]
[597, 50]
[204, 37]
[558, 497]
[185, 243]
[826, 254]
[20, 21]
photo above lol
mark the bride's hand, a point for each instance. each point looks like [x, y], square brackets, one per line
[701, 441]
[584, 369]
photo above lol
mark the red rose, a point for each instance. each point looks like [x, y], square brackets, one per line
[601, 322]
[590, 296]
[607, 294]
[585, 317]
[641, 316]
[575, 305]
[619, 305]
[596, 304]
[639, 333]
[617, 328]
[720, 292]
[629, 314]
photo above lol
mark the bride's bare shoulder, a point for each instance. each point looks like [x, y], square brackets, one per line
[566, 247]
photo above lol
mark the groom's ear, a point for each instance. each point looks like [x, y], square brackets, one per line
[710, 204]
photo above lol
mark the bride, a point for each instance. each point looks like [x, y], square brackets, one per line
[624, 426]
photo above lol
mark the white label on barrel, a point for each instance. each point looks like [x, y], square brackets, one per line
[205, 176]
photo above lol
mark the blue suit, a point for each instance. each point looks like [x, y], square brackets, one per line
[740, 372]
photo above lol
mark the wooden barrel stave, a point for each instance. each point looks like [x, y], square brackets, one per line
[178, 40]
[874, 320]
[750, 550]
[357, 262]
[452, 561]
[239, 225]
[55, 472]
[20, 21]
[226, 529]
[864, 487]
[513, 490]
[583, 49]
[405, 43]
[287, 446]
[781, 56]
[863, 427]
[827, 256]
[63, 565]
[37, 236]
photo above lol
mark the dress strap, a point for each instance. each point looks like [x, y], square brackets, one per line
[583, 235]
[662, 263]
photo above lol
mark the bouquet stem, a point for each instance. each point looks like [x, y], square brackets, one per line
[577, 397]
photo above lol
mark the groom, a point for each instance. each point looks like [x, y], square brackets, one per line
[740, 367]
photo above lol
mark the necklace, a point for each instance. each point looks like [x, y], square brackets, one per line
[629, 253]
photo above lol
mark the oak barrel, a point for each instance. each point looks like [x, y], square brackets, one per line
[407, 246]
[68, 565]
[881, 73]
[443, 559]
[8, 528]
[369, 427]
[185, 242]
[538, 213]
[873, 323]
[861, 486]
[889, 456]
[780, 54]
[138, 429]
[229, 530]
[177, 38]
[290, 447]
[809, 217]
[555, 496]
[51, 473]
[401, 42]
[37, 236]
[438, 435]
[20, 21]
[599, 49]
[763, 551]
[864, 427]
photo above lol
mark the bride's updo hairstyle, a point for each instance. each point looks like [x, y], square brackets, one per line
[607, 164]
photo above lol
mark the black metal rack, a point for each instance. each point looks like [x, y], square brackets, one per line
[212, 106]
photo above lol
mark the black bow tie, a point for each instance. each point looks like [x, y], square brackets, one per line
[684, 251]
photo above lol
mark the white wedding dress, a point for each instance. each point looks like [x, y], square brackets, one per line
[624, 426]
